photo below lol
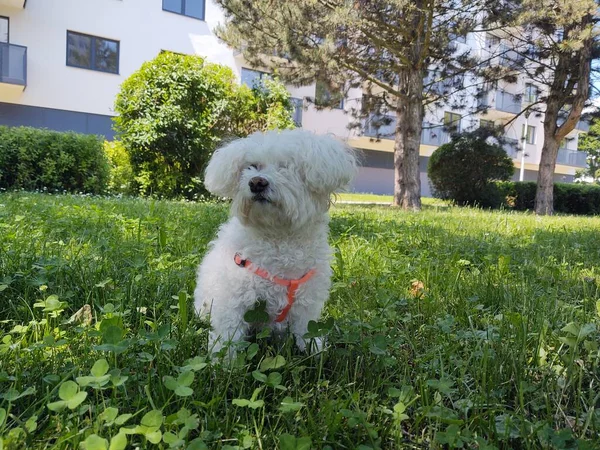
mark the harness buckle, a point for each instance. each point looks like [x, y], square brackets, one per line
[239, 261]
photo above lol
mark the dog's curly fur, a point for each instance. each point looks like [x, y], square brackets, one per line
[282, 230]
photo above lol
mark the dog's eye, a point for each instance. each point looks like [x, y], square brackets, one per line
[253, 166]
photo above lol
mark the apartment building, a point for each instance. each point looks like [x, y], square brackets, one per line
[62, 63]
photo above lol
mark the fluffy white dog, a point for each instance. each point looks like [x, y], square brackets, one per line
[274, 247]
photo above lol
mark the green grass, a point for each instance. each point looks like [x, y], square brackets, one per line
[375, 198]
[450, 328]
[357, 197]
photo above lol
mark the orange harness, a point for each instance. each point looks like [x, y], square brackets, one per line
[292, 285]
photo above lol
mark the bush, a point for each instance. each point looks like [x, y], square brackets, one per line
[174, 111]
[38, 159]
[464, 170]
[121, 174]
[569, 198]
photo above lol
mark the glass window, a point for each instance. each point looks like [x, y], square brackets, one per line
[531, 93]
[173, 6]
[194, 8]
[4, 24]
[528, 135]
[91, 52]
[190, 8]
[452, 121]
[79, 50]
[298, 104]
[107, 55]
[324, 97]
[253, 78]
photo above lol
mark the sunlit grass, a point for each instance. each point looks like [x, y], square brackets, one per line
[452, 328]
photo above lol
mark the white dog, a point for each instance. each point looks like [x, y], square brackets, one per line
[274, 248]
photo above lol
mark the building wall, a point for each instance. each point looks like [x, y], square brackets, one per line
[376, 174]
[55, 119]
[62, 97]
[141, 26]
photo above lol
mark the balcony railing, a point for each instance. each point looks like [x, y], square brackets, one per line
[570, 157]
[13, 64]
[384, 127]
[506, 102]
[501, 101]
[583, 125]
[433, 134]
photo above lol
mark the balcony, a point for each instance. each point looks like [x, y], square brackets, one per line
[583, 125]
[499, 104]
[432, 134]
[13, 67]
[379, 126]
[13, 3]
[570, 157]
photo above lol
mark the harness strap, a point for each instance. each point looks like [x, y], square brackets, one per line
[292, 285]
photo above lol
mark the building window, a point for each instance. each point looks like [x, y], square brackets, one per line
[91, 52]
[452, 121]
[190, 8]
[4, 28]
[491, 41]
[488, 124]
[324, 97]
[252, 78]
[531, 93]
[528, 135]
[298, 105]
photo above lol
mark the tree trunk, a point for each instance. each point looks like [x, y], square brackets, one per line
[544, 196]
[407, 142]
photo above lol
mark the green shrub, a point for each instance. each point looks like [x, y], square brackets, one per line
[569, 198]
[517, 195]
[121, 174]
[174, 111]
[464, 170]
[39, 159]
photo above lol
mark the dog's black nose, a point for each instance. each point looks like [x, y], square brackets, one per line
[258, 185]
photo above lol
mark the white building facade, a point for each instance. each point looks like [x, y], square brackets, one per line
[62, 63]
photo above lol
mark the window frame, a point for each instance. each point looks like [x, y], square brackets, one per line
[530, 89]
[262, 74]
[298, 106]
[93, 53]
[528, 134]
[453, 125]
[182, 13]
[8, 29]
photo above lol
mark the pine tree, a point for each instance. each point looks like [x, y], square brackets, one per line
[552, 44]
[397, 51]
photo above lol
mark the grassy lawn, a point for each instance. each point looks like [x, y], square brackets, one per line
[451, 328]
[375, 198]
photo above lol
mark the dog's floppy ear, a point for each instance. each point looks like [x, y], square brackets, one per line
[329, 164]
[222, 173]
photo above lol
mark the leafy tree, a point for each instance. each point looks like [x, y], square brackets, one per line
[551, 43]
[398, 51]
[174, 111]
[590, 143]
[464, 170]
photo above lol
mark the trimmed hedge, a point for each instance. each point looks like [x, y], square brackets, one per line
[38, 159]
[569, 198]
